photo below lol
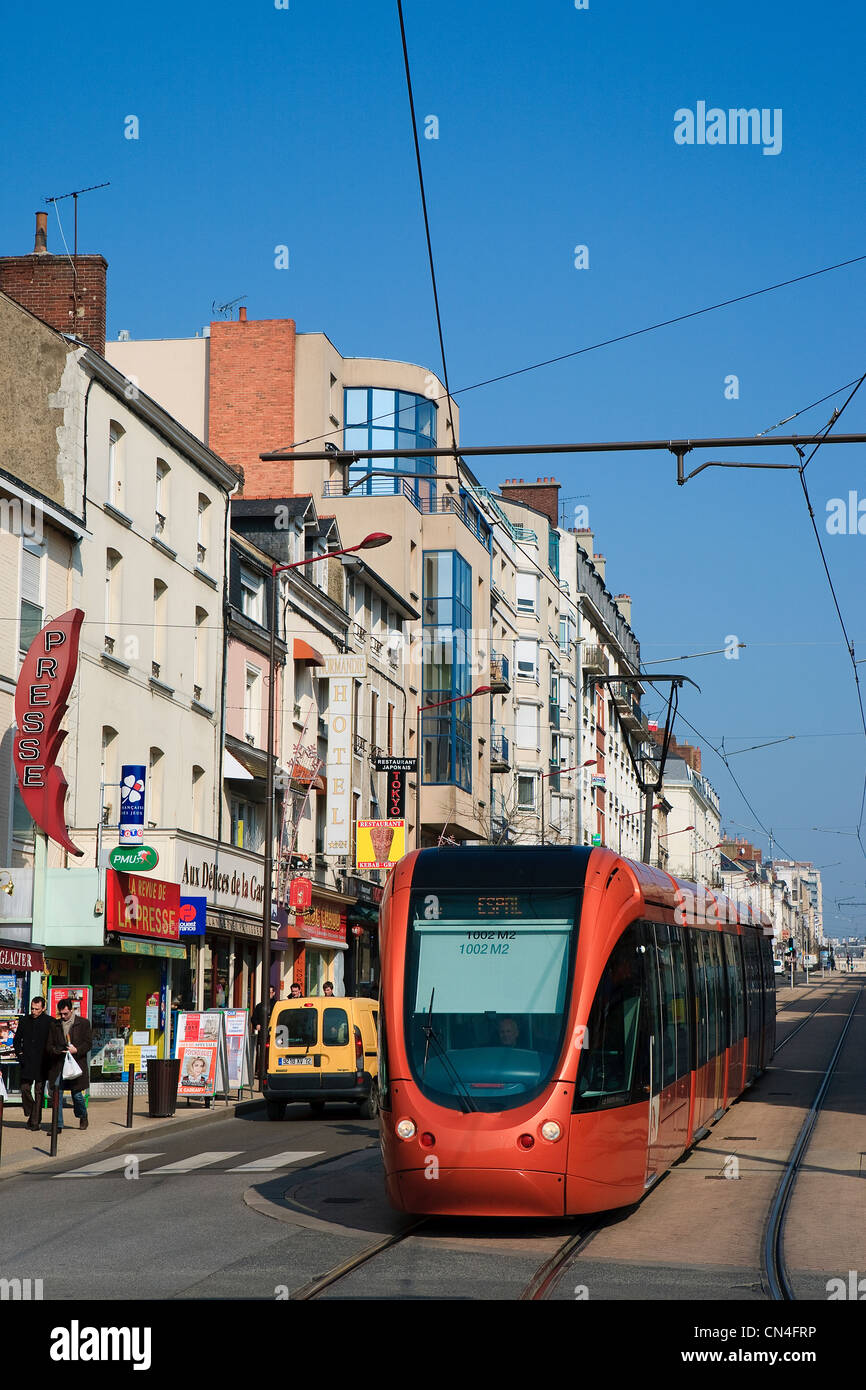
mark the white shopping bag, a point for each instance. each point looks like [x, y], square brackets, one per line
[71, 1069]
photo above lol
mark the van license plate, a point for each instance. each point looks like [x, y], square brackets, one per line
[295, 1061]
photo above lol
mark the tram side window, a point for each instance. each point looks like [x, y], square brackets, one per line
[753, 988]
[714, 943]
[701, 1003]
[607, 1069]
[679, 1000]
[672, 975]
[664, 956]
[735, 987]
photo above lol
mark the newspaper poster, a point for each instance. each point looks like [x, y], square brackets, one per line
[198, 1062]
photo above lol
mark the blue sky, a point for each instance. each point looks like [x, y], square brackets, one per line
[260, 127]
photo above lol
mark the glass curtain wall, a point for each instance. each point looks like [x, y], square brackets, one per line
[446, 734]
[378, 419]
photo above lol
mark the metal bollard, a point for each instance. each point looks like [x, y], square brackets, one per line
[130, 1094]
[55, 1118]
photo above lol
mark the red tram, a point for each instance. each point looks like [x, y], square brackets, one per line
[557, 1025]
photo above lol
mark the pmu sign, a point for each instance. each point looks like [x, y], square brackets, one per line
[40, 704]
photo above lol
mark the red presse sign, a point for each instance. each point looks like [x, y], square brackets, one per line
[138, 905]
[40, 704]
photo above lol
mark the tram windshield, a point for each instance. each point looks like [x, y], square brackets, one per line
[487, 993]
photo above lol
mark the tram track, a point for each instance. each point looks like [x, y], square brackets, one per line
[774, 1269]
[802, 1024]
[550, 1272]
[544, 1279]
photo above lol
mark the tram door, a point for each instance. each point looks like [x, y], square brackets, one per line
[669, 1046]
[712, 1031]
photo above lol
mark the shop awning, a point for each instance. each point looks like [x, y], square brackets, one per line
[152, 948]
[302, 651]
[233, 769]
[363, 915]
[15, 955]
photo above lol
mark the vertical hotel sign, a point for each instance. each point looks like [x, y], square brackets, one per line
[40, 703]
[340, 671]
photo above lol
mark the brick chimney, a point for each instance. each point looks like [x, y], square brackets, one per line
[251, 400]
[623, 603]
[585, 539]
[689, 755]
[599, 564]
[543, 495]
[66, 292]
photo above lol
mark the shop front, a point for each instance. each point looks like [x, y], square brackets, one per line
[17, 963]
[226, 961]
[320, 946]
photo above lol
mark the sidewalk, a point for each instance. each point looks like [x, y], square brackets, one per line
[25, 1150]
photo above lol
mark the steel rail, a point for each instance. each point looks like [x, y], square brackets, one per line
[772, 1251]
[325, 1281]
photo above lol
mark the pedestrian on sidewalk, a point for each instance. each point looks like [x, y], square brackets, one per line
[70, 1034]
[31, 1049]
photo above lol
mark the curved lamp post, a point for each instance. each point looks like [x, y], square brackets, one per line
[371, 542]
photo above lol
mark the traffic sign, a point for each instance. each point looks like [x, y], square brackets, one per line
[137, 858]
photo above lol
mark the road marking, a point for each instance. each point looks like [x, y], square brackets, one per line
[105, 1165]
[186, 1165]
[266, 1165]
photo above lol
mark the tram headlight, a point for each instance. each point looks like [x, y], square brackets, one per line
[551, 1131]
[405, 1129]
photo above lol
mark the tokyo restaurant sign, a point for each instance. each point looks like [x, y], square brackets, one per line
[142, 906]
[40, 704]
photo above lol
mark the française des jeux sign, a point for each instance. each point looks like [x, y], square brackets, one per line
[40, 704]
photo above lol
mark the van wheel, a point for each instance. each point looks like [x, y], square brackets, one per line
[369, 1107]
[317, 1107]
[276, 1109]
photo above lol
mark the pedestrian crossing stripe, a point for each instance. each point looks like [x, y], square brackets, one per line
[194, 1163]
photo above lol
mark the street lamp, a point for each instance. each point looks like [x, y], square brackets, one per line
[371, 542]
[578, 767]
[423, 709]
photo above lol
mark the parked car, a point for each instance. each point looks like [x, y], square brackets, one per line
[778, 968]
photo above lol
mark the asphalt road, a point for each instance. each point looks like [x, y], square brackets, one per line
[129, 1231]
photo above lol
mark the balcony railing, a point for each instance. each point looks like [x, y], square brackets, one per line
[426, 505]
[499, 756]
[360, 746]
[499, 673]
[594, 660]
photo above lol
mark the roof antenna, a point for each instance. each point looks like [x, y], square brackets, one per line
[74, 195]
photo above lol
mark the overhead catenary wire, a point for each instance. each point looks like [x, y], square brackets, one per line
[426, 220]
[606, 342]
[804, 463]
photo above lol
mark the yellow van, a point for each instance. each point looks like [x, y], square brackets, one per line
[323, 1049]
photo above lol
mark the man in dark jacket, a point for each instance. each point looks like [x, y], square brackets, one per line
[71, 1034]
[31, 1049]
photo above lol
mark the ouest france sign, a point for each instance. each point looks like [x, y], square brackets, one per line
[40, 703]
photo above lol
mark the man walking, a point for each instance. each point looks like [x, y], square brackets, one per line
[71, 1035]
[31, 1049]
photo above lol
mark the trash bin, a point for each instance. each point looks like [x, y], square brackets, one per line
[162, 1082]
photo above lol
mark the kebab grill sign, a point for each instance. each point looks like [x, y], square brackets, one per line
[40, 704]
